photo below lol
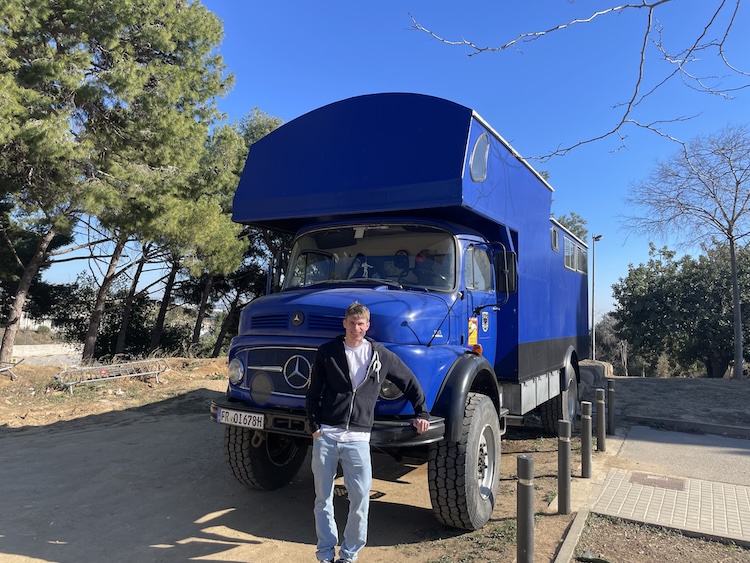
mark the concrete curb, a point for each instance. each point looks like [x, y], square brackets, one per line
[566, 553]
[567, 550]
[593, 487]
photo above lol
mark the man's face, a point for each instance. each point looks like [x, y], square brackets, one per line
[356, 328]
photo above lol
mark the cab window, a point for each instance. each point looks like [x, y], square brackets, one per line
[478, 269]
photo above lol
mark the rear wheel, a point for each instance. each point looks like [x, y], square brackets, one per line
[463, 475]
[263, 460]
[563, 407]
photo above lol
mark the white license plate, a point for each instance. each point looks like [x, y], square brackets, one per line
[237, 418]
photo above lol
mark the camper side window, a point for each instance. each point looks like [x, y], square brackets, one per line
[576, 257]
[570, 254]
[478, 162]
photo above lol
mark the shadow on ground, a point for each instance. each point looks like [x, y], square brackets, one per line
[151, 484]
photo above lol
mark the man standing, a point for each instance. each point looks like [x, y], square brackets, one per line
[344, 386]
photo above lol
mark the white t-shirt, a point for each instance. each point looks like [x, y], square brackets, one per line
[358, 360]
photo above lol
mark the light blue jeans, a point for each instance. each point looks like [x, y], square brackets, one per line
[355, 461]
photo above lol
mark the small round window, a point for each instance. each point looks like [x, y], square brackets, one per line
[478, 162]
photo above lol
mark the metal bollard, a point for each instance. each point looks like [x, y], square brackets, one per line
[601, 422]
[563, 467]
[525, 509]
[611, 407]
[586, 440]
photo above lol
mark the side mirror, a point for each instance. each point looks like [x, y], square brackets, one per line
[506, 272]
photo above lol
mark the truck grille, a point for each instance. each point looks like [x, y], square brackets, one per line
[281, 321]
[277, 374]
[321, 322]
[270, 321]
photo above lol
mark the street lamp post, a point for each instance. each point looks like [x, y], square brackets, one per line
[594, 239]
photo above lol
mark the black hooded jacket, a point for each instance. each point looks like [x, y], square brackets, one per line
[331, 399]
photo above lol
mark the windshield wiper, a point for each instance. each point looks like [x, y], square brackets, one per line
[368, 281]
[375, 281]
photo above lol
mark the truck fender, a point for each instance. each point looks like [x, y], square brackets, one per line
[470, 372]
[569, 363]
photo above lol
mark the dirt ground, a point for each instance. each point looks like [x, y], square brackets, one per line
[612, 540]
[158, 439]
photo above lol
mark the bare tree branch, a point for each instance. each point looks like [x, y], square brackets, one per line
[723, 41]
[703, 190]
[652, 33]
[11, 246]
[68, 249]
[531, 36]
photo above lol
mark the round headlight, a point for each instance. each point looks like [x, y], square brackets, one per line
[389, 391]
[236, 371]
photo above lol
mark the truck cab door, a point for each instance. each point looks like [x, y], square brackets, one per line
[480, 299]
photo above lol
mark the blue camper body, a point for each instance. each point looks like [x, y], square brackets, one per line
[414, 206]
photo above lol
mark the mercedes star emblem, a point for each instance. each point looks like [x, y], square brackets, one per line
[297, 372]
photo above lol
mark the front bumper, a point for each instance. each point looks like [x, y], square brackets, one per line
[385, 433]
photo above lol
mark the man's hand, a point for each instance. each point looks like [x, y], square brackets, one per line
[421, 424]
[317, 434]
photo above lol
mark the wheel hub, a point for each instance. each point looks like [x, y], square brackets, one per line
[482, 460]
[485, 461]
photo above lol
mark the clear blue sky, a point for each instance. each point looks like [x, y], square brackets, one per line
[292, 56]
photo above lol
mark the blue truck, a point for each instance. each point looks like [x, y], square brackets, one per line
[414, 206]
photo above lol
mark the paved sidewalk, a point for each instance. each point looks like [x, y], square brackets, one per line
[717, 510]
[651, 476]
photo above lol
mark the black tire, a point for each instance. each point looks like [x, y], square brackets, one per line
[268, 461]
[463, 475]
[565, 406]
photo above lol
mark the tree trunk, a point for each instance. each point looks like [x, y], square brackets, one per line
[128, 305]
[159, 327]
[717, 367]
[202, 311]
[228, 320]
[89, 343]
[22, 292]
[737, 309]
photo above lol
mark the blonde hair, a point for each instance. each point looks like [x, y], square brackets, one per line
[356, 309]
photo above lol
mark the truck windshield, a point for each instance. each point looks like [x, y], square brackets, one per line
[409, 255]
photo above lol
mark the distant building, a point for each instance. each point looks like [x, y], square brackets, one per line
[30, 323]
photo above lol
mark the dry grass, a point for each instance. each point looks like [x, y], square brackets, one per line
[36, 399]
[612, 540]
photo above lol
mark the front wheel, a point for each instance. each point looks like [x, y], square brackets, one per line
[262, 460]
[463, 475]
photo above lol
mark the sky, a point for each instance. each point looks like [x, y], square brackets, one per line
[290, 57]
